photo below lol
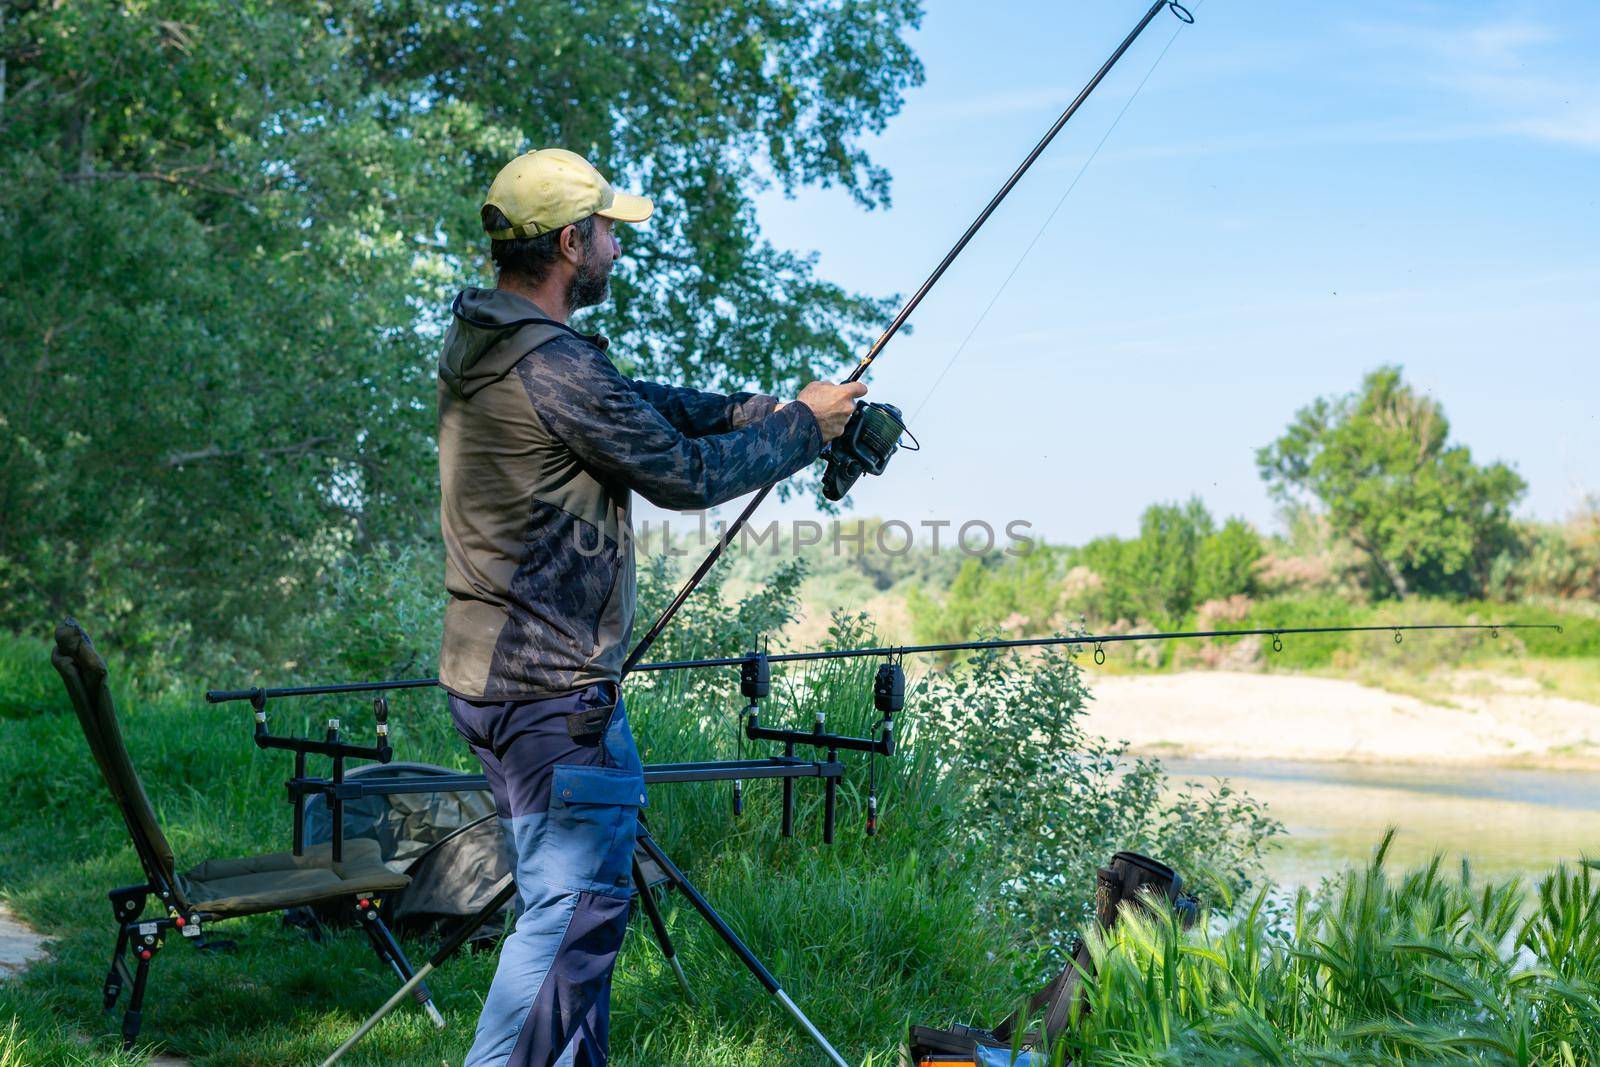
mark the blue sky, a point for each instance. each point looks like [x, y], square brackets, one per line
[1300, 193]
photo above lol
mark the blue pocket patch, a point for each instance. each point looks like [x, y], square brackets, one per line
[597, 785]
[594, 819]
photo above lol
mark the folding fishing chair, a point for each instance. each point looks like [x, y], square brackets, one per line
[216, 889]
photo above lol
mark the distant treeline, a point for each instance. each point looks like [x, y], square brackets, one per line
[1379, 506]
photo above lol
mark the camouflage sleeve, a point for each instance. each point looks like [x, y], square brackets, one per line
[696, 414]
[614, 431]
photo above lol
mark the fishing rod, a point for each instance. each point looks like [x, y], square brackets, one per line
[1097, 640]
[219, 696]
[874, 430]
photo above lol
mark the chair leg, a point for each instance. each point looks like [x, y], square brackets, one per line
[127, 904]
[118, 974]
[133, 1018]
[388, 950]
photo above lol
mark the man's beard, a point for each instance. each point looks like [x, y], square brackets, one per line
[589, 285]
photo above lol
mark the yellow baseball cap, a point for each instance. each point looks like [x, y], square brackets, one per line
[551, 188]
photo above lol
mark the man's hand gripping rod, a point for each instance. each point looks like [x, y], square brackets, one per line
[899, 320]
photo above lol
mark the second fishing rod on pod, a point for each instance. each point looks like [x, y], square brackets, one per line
[1095, 641]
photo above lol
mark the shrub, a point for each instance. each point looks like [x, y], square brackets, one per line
[382, 616]
[1021, 594]
[1551, 560]
[1047, 803]
[1179, 560]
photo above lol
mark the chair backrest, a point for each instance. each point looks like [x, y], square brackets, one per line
[84, 673]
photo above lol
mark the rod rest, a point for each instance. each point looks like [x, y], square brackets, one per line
[334, 747]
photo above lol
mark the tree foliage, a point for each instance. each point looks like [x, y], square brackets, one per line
[231, 229]
[1022, 596]
[1179, 560]
[1379, 464]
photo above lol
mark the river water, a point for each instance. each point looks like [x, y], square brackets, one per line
[1505, 821]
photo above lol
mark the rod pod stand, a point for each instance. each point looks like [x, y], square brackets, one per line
[332, 745]
[755, 682]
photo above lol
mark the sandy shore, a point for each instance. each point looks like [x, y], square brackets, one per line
[1229, 715]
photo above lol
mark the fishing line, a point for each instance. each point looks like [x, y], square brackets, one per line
[1050, 218]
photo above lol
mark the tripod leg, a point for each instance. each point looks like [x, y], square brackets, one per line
[647, 900]
[388, 950]
[501, 898]
[740, 949]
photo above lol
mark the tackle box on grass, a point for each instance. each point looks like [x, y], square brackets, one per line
[963, 1046]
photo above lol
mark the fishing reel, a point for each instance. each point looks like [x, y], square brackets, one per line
[870, 437]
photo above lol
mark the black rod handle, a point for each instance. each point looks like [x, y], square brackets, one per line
[299, 835]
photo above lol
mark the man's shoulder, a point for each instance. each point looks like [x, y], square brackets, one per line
[567, 367]
[569, 354]
[572, 343]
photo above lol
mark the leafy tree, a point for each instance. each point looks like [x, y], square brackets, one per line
[1021, 595]
[231, 229]
[1380, 465]
[1179, 560]
[1164, 558]
[1225, 562]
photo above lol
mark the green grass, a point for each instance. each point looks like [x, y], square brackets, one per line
[865, 934]
[1431, 966]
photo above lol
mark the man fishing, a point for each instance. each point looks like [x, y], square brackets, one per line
[541, 443]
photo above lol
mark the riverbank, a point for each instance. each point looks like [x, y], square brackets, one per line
[1469, 718]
